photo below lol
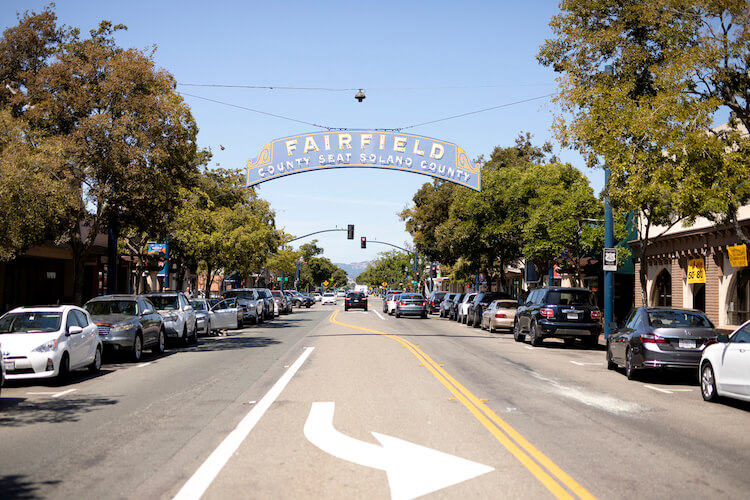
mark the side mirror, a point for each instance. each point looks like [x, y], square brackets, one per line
[613, 326]
[723, 339]
[74, 330]
[146, 312]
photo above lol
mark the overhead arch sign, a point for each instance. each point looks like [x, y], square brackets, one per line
[363, 149]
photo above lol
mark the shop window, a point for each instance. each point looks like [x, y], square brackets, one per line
[739, 305]
[699, 296]
[664, 289]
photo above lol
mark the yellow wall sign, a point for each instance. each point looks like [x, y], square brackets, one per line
[696, 271]
[738, 255]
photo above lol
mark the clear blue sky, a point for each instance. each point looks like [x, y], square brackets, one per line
[416, 61]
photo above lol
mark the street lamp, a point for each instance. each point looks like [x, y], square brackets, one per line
[609, 242]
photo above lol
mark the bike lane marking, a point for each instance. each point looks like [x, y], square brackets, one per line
[559, 483]
[199, 482]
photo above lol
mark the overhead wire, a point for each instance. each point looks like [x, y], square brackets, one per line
[452, 117]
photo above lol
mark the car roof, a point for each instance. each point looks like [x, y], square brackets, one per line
[62, 308]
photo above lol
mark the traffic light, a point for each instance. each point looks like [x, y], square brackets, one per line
[363, 242]
[433, 271]
[416, 276]
[350, 232]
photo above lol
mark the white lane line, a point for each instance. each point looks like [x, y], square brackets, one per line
[144, 364]
[585, 364]
[379, 316]
[207, 472]
[666, 391]
[52, 394]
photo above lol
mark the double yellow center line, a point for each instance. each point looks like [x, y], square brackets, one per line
[545, 470]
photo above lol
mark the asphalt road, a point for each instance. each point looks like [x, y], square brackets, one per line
[324, 403]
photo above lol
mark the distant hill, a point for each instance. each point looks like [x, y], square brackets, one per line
[354, 269]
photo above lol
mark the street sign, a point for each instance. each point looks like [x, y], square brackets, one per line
[610, 259]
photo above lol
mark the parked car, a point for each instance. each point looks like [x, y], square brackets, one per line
[318, 297]
[251, 303]
[2, 370]
[411, 304]
[725, 366]
[328, 298]
[127, 324]
[499, 315]
[355, 299]
[479, 304]
[178, 314]
[463, 307]
[285, 306]
[391, 302]
[48, 342]
[561, 312]
[659, 337]
[454, 306]
[434, 300]
[308, 300]
[445, 304]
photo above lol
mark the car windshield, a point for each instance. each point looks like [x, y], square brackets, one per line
[30, 322]
[199, 305]
[238, 293]
[678, 319]
[327, 295]
[105, 307]
[165, 302]
[570, 298]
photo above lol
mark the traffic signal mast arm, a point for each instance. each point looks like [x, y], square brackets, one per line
[317, 232]
[405, 250]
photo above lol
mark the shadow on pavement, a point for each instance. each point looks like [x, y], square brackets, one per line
[231, 343]
[18, 488]
[21, 411]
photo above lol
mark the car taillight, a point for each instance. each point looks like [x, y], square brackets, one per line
[650, 338]
[596, 315]
[402, 303]
[424, 303]
[546, 312]
[104, 324]
[500, 315]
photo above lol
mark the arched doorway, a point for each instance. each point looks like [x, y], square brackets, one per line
[664, 289]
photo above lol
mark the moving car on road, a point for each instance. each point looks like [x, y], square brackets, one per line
[355, 299]
[499, 315]
[127, 324]
[725, 366]
[411, 304]
[178, 314]
[328, 298]
[659, 337]
[390, 302]
[561, 312]
[47, 342]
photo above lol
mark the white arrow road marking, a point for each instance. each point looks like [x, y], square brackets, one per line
[412, 470]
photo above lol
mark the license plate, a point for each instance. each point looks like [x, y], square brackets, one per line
[10, 365]
[687, 344]
[572, 316]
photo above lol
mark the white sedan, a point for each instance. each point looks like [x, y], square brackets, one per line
[725, 366]
[46, 342]
[328, 298]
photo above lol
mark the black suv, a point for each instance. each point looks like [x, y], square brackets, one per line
[566, 313]
[433, 303]
[479, 304]
[355, 299]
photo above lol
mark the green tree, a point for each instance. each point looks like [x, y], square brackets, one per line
[393, 267]
[123, 139]
[676, 65]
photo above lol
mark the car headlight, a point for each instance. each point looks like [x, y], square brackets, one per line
[46, 347]
[120, 328]
[170, 317]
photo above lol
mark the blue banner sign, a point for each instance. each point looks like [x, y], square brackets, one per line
[154, 248]
[363, 149]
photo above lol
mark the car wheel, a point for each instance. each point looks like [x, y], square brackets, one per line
[534, 336]
[398, 314]
[477, 320]
[490, 328]
[346, 308]
[208, 328]
[365, 309]
[185, 339]
[629, 368]
[517, 335]
[424, 315]
[160, 342]
[194, 337]
[611, 365]
[96, 365]
[708, 383]
[63, 372]
[259, 319]
[137, 351]
[569, 342]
